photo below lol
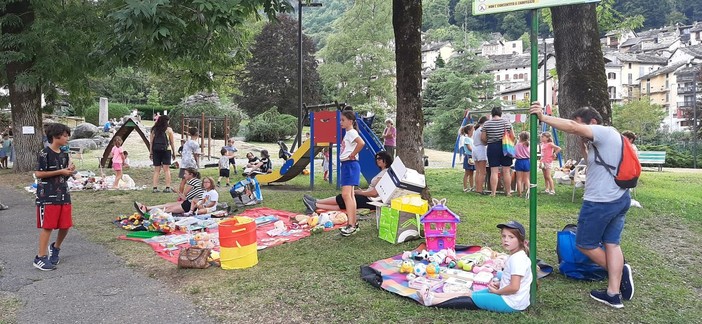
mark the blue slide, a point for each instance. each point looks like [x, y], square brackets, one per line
[367, 155]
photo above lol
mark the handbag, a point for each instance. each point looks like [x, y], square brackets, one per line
[193, 257]
[508, 144]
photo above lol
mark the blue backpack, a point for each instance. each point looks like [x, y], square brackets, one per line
[573, 263]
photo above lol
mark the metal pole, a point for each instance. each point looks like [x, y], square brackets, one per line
[533, 124]
[299, 73]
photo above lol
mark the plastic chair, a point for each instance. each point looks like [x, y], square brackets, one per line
[580, 176]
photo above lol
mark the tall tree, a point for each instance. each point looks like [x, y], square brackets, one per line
[580, 65]
[641, 117]
[270, 76]
[407, 22]
[63, 42]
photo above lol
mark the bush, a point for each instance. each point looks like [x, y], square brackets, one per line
[271, 126]
[92, 114]
[210, 110]
[674, 158]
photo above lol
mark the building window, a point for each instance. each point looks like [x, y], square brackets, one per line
[514, 45]
[497, 88]
[526, 96]
[631, 79]
[514, 97]
[612, 92]
[516, 76]
[506, 77]
[667, 98]
[505, 98]
[521, 75]
[630, 65]
[498, 77]
[526, 75]
[611, 76]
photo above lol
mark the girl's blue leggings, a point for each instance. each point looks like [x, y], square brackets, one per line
[492, 302]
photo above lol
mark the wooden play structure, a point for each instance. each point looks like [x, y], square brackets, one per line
[200, 122]
[129, 124]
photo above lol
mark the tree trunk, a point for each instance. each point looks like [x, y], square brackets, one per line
[25, 94]
[407, 22]
[580, 66]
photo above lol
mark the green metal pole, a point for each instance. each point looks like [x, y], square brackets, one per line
[533, 130]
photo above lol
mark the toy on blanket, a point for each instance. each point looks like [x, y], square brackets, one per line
[161, 221]
[134, 222]
[202, 240]
[440, 226]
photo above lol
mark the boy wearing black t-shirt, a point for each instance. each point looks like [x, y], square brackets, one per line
[53, 199]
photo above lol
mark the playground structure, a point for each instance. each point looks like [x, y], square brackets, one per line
[468, 118]
[199, 122]
[130, 124]
[326, 131]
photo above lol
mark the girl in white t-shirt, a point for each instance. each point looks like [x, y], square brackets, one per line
[350, 168]
[512, 293]
[208, 203]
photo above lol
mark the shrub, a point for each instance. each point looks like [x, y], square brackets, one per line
[442, 133]
[674, 158]
[92, 113]
[210, 110]
[271, 126]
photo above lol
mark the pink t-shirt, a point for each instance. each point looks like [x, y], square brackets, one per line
[116, 154]
[390, 141]
[521, 151]
[547, 152]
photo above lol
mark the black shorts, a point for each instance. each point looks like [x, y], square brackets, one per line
[232, 161]
[186, 205]
[161, 157]
[224, 173]
[361, 202]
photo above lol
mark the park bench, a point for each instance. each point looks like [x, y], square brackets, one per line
[652, 157]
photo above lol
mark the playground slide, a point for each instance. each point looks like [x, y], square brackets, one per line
[293, 166]
[301, 158]
[367, 156]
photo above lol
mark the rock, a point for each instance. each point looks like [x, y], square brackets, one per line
[48, 121]
[100, 141]
[85, 130]
[85, 143]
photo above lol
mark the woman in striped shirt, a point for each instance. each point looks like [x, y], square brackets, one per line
[493, 132]
[192, 193]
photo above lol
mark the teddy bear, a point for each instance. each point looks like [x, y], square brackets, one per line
[202, 240]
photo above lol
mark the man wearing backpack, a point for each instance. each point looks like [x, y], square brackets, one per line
[605, 203]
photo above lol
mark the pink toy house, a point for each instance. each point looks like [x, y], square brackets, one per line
[440, 227]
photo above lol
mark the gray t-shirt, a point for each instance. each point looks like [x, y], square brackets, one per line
[189, 150]
[600, 185]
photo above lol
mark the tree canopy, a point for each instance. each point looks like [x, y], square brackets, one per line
[641, 117]
[270, 77]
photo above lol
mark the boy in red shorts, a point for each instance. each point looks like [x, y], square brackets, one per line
[53, 199]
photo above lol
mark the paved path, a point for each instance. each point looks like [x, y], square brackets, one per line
[91, 285]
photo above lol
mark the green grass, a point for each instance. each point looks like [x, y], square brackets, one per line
[317, 279]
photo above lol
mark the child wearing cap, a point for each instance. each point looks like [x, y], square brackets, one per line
[511, 294]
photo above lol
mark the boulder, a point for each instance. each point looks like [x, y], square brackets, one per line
[85, 130]
[100, 141]
[85, 143]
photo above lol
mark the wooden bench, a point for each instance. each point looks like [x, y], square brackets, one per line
[652, 157]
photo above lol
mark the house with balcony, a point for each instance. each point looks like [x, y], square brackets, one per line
[498, 45]
[633, 67]
[687, 54]
[662, 88]
[512, 79]
[689, 90]
[613, 70]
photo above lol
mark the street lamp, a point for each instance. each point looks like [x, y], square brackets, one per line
[300, 117]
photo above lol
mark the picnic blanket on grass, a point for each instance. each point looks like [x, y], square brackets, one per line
[262, 238]
[385, 274]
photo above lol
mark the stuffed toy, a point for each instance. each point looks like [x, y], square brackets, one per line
[407, 266]
[202, 240]
[336, 217]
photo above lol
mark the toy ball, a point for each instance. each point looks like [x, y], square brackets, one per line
[305, 172]
[420, 269]
[407, 266]
[328, 224]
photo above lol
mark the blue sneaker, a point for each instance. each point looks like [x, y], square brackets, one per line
[54, 254]
[627, 284]
[43, 263]
[603, 297]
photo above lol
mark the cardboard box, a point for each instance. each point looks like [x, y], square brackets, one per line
[396, 227]
[399, 181]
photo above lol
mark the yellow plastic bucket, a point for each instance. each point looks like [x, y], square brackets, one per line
[238, 257]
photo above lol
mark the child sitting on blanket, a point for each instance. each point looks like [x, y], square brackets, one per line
[511, 294]
[208, 203]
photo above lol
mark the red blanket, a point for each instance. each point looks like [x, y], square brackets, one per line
[262, 238]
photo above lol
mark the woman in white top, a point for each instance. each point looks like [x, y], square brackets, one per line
[383, 160]
[479, 156]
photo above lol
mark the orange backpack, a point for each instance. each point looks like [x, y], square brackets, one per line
[629, 168]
